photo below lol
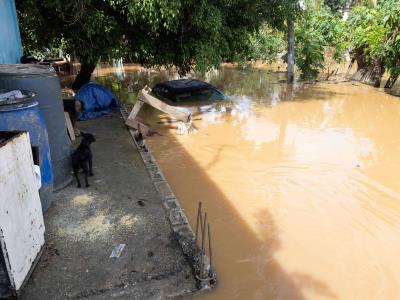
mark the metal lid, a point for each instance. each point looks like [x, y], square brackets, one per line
[11, 97]
[26, 70]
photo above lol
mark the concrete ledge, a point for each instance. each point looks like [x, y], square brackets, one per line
[176, 216]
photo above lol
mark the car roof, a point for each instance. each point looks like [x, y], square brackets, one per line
[184, 85]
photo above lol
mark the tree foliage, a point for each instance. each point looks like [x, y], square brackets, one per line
[336, 6]
[375, 33]
[200, 35]
[316, 33]
[368, 32]
[187, 34]
[390, 10]
[265, 44]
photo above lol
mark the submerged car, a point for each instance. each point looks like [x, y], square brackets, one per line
[187, 91]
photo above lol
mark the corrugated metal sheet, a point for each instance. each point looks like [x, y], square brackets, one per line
[10, 40]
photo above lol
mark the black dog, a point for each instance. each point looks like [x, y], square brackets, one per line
[82, 158]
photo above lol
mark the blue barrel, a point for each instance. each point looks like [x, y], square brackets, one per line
[44, 82]
[24, 115]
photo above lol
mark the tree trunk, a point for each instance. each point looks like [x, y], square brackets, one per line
[391, 81]
[369, 73]
[84, 75]
[290, 57]
[349, 67]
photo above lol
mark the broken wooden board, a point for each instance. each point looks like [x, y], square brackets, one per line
[180, 114]
[143, 128]
[135, 111]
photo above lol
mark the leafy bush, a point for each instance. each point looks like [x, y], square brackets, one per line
[368, 32]
[375, 33]
[318, 31]
[390, 10]
[266, 44]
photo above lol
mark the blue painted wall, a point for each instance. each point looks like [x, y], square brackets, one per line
[10, 40]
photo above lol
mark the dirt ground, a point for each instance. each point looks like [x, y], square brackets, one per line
[120, 207]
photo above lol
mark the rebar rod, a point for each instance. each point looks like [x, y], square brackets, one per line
[203, 231]
[209, 246]
[202, 254]
[197, 222]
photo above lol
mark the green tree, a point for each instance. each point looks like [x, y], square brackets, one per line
[282, 16]
[317, 32]
[337, 6]
[187, 34]
[265, 44]
[390, 10]
[376, 41]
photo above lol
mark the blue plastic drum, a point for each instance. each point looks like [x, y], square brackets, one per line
[44, 82]
[23, 115]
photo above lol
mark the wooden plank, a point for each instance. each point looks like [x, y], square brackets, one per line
[133, 121]
[135, 110]
[180, 114]
[69, 126]
[140, 125]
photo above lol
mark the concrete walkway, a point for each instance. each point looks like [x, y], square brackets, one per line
[120, 207]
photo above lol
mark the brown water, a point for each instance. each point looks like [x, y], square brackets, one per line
[301, 186]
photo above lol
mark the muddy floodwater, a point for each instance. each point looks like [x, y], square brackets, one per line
[301, 186]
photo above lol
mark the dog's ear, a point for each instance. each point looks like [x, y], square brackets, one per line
[87, 135]
[91, 137]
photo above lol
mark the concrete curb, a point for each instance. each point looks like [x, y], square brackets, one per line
[176, 216]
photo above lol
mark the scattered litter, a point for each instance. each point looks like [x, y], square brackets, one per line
[11, 95]
[117, 251]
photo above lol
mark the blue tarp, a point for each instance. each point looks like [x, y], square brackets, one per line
[97, 101]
